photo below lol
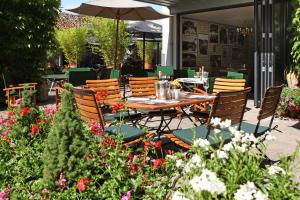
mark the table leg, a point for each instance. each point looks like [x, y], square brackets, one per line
[188, 116]
[51, 87]
[162, 119]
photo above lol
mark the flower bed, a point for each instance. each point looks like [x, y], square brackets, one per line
[290, 103]
[48, 155]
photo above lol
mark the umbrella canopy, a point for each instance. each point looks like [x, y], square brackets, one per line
[119, 10]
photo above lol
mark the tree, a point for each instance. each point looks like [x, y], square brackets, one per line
[65, 146]
[27, 32]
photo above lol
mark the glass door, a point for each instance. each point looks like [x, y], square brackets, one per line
[263, 53]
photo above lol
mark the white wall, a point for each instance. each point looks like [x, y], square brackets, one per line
[167, 39]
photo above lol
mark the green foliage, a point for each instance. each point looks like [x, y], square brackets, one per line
[149, 50]
[105, 31]
[290, 98]
[73, 42]
[27, 32]
[296, 40]
[65, 145]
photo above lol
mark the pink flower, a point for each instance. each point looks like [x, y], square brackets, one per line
[82, 183]
[96, 128]
[2, 120]
[4, 194]
[62, 181]
[49, 110]
[19, 101]
[126, 196]
[4, 136]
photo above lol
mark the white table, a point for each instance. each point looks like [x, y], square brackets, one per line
[190, 80]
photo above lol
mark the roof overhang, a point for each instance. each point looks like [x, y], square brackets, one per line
[167, 3]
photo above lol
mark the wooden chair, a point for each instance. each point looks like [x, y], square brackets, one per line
[220, 85]
[12, 93]
[113, 88]
[227, 105]
[143, 87]
[89, 111]
[267, 109]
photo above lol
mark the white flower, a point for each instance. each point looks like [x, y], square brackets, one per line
[179, 163]
[194, 162]
[249, 191]
[227, 147]
[220, 154]
[242, 148]
[249, 138]
[270, 137]
[215, 121]
[275, 170]
[208, 181]
[201, 143]
[171, 157]
[178, 196]
[225, 124]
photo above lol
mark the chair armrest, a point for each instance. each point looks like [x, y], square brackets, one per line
[197, 90]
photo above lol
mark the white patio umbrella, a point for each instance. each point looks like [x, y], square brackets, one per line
[119, 10]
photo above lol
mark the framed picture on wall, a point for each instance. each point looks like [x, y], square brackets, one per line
[227, 52]
[203, 44]
[236, 53]
[189, 60]
[189, 27]
[214, 28]
[215, 61]
[223, 35]
[189, 44]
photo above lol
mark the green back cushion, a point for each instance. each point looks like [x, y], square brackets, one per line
[77, 78]
[114, 73]
[166, 70]
[127, 132]
[235, 75]
[191, 73]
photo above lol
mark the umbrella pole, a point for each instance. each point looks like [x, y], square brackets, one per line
[117, 40]
[144, 49]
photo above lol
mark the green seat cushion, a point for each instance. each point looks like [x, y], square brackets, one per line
[235, 75]
[250, 128]
[127, 132]
[189, 135]
[166, 70]
[156, 112]
[124, 115]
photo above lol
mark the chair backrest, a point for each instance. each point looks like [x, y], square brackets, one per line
[223, 84]
[229, 105]
[191, 73]
[270, 102]
[87, 105]
[235, 75]
[78, 76]
[114, 73]
[166, 70]
[142, 86]
[110, 85]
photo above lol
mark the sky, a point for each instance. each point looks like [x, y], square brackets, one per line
[67, 4]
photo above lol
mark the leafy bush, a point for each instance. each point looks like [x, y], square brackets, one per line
[149, 50]
[296, 40]
[289, 100]
[105, 31]
[73, 42]
[234, 171]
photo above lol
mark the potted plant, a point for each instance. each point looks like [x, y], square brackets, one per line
[176, 87]
[73, 43]
[105, 32]
[149, 52]
[290, 103]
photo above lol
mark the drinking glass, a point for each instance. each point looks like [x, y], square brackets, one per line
[204, 75]
[206, 85]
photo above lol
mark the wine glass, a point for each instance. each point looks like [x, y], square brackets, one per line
[206, 85]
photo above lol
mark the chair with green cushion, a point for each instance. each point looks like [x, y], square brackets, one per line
[151, 74]
[191, 73]
[78, 76]
[89, 112]
[180, 73]
[114, 74]
[227, 105]
[267, 109]
[166, 70]
[235, 75]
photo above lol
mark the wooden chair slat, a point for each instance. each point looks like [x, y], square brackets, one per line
[89, 115]
[142, 86]
[85, 102]
[222, 87]
[151, 85]
[84, 97]
[142, 78]
[112, 80]
[87, 108]
[142, 82]
[142, 90]
[143, 94]
[230, 84]
[230, 80]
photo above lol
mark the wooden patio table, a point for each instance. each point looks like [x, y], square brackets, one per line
[150, 103]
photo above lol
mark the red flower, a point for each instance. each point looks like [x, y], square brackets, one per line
[147, 144]
[133, 169]
[109, 142]
[96, 128]
[158, 144]
[169, 152]
[24, 111]
[102, 94]
[130, 156]
[34, 129]
[118, 106]
[158, 162]
[82, 183]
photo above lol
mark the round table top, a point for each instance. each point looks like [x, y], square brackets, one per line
[55, 76]
[190, 80]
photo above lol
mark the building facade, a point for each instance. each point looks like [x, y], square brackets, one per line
[245, 36]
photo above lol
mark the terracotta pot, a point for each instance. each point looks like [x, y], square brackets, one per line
[148, 65]
[292, 80]
[72, 65]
